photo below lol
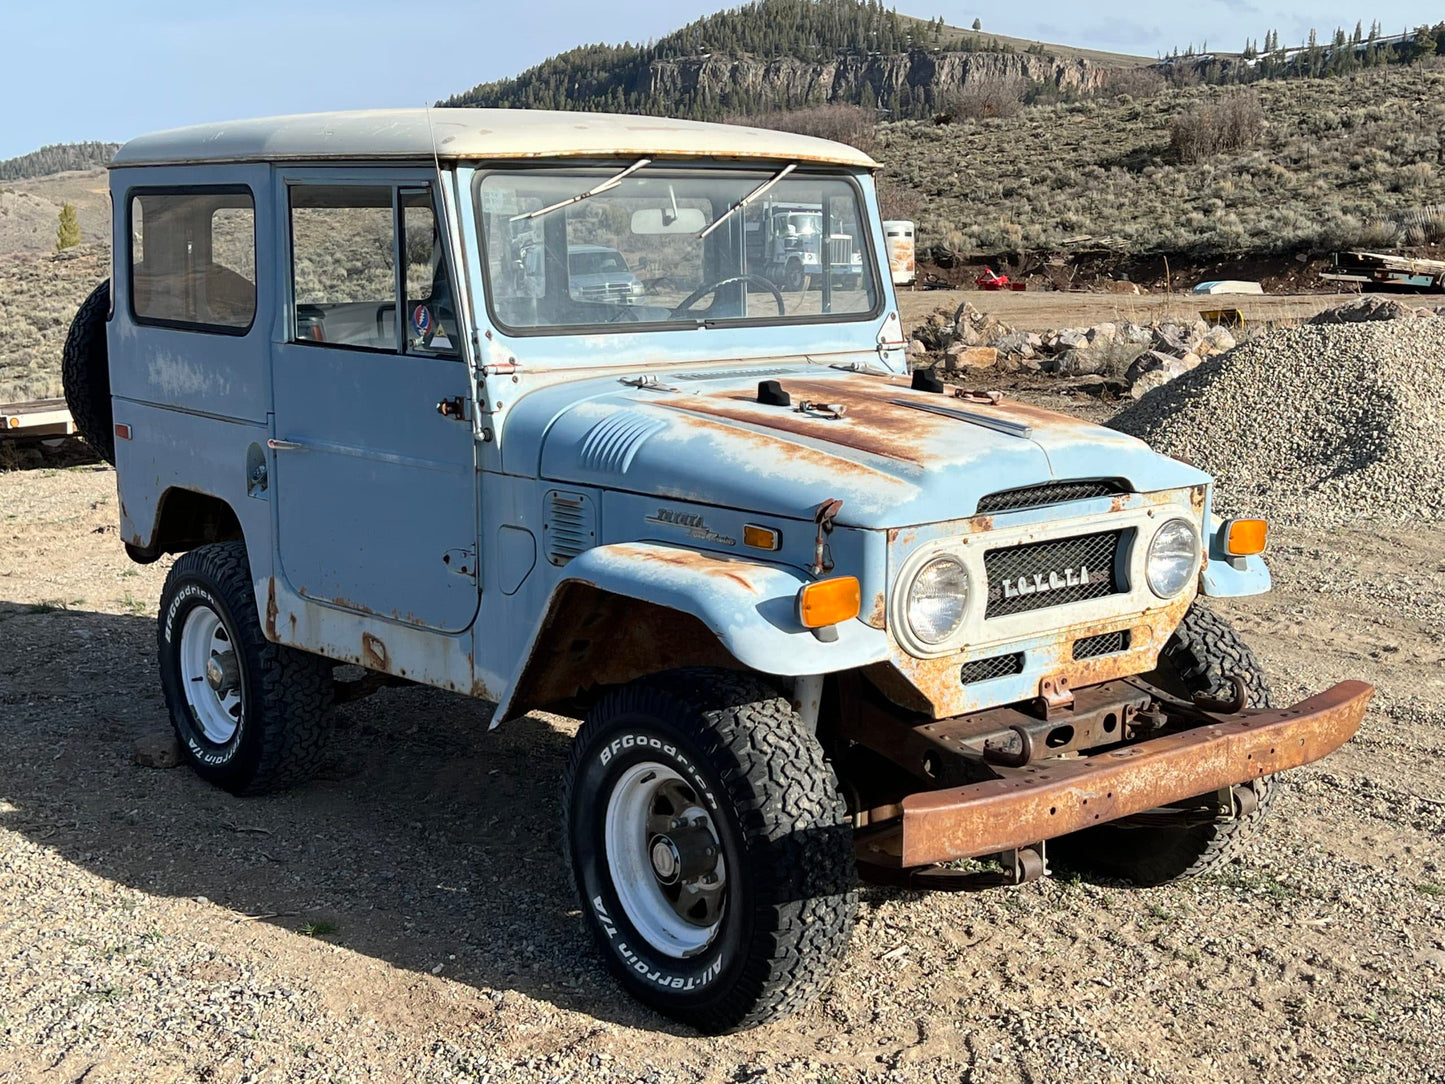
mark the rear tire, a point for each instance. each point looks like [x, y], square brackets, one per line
[1199, 658]
[251, 716]
[85, 372]
[711, 849]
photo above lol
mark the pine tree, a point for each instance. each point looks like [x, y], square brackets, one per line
[977, 24]
[68, 235]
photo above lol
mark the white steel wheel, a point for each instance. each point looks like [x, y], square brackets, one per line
[211, 674]
[665, 859]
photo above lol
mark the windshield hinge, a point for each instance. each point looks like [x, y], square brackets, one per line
[890, 335]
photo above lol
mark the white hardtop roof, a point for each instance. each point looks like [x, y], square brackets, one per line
[395, 134]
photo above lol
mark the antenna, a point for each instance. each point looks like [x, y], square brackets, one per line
[432, 138]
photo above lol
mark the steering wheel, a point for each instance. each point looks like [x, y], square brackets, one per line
[712, 287]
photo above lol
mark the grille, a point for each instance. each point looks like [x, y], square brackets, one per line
[840, 251]
[1011, 500]
[1106, 643]
[569, 526]
[998, 666]
[1052, 573]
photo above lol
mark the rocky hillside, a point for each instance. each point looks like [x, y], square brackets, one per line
[788, 54]
[918, 79]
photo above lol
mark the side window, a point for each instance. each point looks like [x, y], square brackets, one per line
[193, 259]
[344, 254]
[431, 311]
[343, 266]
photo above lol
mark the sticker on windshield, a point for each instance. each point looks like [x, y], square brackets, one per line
[499, 201]
[421, 320]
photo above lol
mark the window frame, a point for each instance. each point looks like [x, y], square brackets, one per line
[398, 230]
[870, 257]
[136, 191]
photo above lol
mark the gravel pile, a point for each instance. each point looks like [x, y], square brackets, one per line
[1313, 425]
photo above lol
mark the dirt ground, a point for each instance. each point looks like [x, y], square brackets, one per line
[406, 915]
[1046, 310]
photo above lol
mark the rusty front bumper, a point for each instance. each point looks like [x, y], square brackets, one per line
[1052, 798]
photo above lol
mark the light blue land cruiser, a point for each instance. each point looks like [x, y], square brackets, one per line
[822, 616]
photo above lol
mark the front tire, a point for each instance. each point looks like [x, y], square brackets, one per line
[710, 847]
[251, 716]
[1201, 656]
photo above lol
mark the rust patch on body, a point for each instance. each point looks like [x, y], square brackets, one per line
[271, 610]
[734, 569]
[373, 652]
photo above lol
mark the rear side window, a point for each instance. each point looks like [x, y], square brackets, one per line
[193, 259]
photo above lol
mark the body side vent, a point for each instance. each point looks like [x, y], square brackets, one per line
[571, 527]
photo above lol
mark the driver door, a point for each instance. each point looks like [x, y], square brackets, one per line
[374, 475]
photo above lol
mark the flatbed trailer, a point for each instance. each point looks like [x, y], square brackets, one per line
[39, 418]
[1397, 272]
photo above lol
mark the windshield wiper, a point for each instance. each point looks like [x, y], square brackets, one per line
[597, 190]
[754, 194]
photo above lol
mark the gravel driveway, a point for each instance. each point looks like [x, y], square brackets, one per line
[406, 918]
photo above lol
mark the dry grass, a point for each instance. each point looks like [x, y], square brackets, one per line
[38, 296]
[1337, 163]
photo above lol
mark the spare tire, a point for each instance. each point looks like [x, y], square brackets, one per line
[85, 371]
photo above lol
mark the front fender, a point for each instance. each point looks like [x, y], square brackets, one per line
[749, 606]
[1231, 577]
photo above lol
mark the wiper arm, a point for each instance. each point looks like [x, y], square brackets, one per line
[754, 194]
[597, 190]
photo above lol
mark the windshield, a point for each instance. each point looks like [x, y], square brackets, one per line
[797, 252]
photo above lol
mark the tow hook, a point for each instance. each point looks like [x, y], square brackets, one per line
[1232, 706]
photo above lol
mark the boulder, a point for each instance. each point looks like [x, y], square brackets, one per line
[1070, 337]
[971, 357]
[158, 749]
[1015, 343]
[1080, 362]
[1102, 335]
[1147, 382]
[1135, 334]
[1369, 307]
[1217, 341]
[916, 348]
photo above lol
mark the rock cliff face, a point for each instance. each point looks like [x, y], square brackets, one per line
[794, 82]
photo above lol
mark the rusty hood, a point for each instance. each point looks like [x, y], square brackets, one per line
[894, 456]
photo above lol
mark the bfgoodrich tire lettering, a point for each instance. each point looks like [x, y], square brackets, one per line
[282, 697]
[759, 778]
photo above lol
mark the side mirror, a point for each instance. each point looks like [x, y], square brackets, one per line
[658, 220]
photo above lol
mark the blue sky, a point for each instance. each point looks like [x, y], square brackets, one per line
[87, 69]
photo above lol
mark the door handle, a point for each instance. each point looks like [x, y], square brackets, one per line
[285, 445]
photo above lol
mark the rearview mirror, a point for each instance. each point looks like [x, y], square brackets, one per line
[654, 220]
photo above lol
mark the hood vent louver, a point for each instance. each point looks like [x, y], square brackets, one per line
[571, 527]
[610, 445]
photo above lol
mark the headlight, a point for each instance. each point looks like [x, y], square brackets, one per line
[937, 598]
[1173, 557]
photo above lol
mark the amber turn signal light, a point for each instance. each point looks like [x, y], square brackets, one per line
[829, 602]
[1245, 537]
[761, 538]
